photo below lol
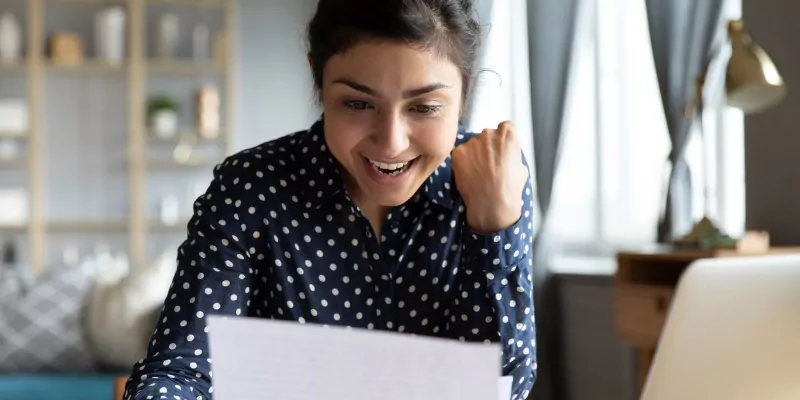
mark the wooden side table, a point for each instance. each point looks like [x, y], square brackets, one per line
[644, 284]
[119, 387]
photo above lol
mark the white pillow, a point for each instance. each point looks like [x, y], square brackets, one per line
[123, 308]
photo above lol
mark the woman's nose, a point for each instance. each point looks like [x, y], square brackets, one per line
[391, 137]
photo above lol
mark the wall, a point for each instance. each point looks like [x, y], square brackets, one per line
[274, 89]
[771, 139]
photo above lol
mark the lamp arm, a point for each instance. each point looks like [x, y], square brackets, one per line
[697, 101]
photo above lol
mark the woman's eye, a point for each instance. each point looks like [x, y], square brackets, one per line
[357, 105]
[426, 109]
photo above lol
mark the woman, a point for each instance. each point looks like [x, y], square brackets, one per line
[381, 216]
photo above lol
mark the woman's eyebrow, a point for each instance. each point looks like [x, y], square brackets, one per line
[357, 86]
[408, 94]
[411, 93]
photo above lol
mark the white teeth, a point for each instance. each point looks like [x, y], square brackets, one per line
[389, 169]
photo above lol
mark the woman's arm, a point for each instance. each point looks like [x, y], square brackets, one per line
[214, 276]
[496, 301]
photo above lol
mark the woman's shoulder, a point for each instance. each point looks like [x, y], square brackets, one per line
[267, 160]
[264, 171]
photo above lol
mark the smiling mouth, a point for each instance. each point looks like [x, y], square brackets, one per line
[391, 169]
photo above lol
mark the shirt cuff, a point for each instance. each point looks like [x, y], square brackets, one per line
[494, 251]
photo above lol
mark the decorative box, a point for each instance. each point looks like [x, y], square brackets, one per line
[66, 49]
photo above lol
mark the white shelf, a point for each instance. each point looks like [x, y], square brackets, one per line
[191, 3]
[13, 228]
[16, 162]
[89, 2]
[100, 226]
[89, 66]
[182, 134]
[171, 165]
[72, 226]
[13, 134]
[12, 66]
[184, 67]
[161, 227]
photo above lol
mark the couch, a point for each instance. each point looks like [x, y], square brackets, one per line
[73, 331]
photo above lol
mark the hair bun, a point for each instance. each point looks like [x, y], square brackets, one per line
[468, 4]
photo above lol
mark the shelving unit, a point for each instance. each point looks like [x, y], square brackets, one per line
[138, 69]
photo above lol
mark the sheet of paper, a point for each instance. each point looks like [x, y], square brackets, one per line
[258, 359]
[504, 388]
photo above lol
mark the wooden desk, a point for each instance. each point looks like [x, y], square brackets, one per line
[644, 284]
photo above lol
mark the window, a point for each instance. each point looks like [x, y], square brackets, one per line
[609, 188]
[503, 89]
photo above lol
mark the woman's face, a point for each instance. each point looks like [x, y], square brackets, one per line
[391, 117]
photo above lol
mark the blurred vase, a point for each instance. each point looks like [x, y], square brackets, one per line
[201, 42]
[164, 124]
[208, 118]
[168, 32]
[9, 149]
[110, 35]
[10, 38]
[169, 210]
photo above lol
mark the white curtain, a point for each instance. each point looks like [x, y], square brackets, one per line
[502, 91]
[528, 53]
[609, 192]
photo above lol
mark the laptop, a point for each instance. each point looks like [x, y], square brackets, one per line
[732, 333]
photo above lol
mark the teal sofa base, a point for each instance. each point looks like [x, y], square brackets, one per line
[58, 386]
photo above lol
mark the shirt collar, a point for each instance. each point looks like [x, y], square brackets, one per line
[322, 176]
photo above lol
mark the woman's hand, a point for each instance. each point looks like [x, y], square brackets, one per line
[490, 176]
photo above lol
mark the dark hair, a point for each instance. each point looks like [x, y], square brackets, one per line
[445, 26]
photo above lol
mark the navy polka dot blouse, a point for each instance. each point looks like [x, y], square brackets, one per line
[276, 236]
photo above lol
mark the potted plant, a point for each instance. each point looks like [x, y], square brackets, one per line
[163, 114]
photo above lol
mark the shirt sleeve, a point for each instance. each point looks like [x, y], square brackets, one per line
[213, 276]
[496, 302]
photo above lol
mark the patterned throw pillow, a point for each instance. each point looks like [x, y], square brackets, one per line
[41, 319]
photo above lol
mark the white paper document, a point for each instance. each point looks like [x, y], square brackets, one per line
[504, 388]
[277, 360]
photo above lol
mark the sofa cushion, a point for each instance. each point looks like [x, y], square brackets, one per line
[124, 307]
[41, 326]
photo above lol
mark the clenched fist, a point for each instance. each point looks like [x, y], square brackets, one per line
[490, 176]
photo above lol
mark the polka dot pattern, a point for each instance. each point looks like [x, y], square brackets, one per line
[277, 236]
